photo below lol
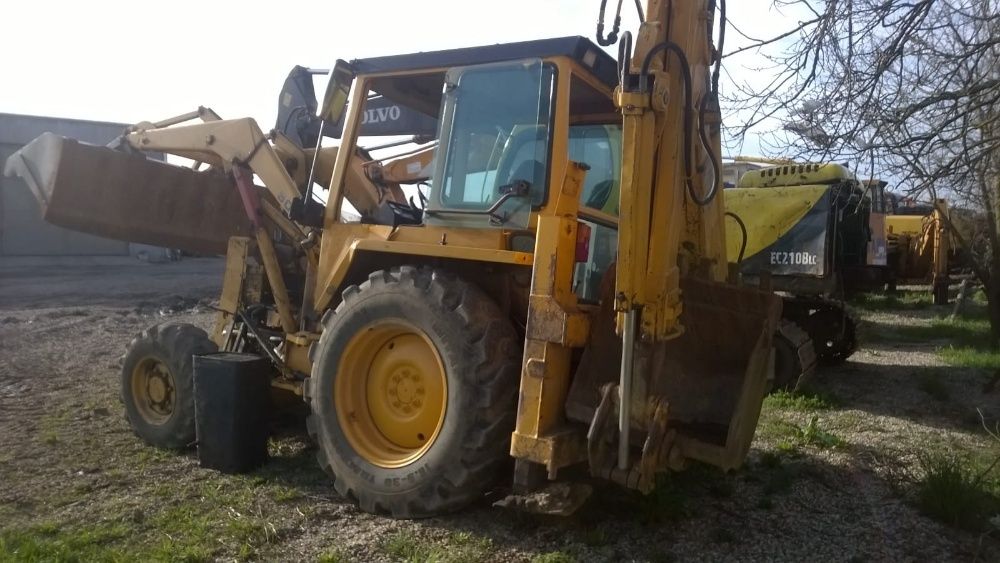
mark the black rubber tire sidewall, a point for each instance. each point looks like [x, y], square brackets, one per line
[174, 344]
[479, 407]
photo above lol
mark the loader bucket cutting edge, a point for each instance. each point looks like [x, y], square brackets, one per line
[109, 193]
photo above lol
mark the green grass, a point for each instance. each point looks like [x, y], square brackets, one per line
[964, 331]
[200, 522]
[970, 343]
[333, 555]
[813, 435]
[790, 437]
[458, 547]
[799, 401]
[965, 356]
[903, 300]
[283, 493]
[554, 557]
[958, 490]
[51, 427]
[52, 542]
[963, 342]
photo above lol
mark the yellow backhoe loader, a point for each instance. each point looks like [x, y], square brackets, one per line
[504, 292]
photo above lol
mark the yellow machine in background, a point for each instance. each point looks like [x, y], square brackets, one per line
[813, 233]
[492, 300]
[920, 247]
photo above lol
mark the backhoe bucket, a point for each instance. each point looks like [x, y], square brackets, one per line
[696, 397]
[128, 197]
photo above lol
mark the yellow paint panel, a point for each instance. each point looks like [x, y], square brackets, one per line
[768, 213]
[908, 224]
[795, 174]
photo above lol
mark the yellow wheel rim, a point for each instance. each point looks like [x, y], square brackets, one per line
[153, 390]
[390, 393]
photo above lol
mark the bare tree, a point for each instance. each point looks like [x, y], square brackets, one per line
[907, 89]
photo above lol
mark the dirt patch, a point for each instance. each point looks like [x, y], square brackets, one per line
[822, 483]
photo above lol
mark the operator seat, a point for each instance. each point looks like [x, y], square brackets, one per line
[599, 195]
[531, 171]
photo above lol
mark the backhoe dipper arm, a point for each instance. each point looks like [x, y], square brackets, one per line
[668, 203]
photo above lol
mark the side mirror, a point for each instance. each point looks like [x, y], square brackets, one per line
[338, 88]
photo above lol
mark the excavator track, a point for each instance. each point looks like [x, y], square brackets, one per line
[795, 356]
[831, 326]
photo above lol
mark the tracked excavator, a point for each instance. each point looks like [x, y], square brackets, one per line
[545, 278]
[815, 233]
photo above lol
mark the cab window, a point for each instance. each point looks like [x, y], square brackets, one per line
[496, 131]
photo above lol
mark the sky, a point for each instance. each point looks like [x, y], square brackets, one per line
[145, 61]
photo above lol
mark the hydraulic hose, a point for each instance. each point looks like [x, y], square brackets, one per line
[743, 231]
[613, 36]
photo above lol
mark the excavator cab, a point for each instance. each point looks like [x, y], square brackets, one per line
[560, 296]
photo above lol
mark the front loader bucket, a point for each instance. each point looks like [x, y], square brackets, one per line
[128, 197]
[711, 380]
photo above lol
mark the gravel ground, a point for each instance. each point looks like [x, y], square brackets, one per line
[69, 464]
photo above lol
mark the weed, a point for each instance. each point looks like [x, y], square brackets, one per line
[957, 491]
[335, 555]
[786, 447]
[799, 401]
[554, 557]
[459, 547]
[970, 357]
[933, 385]
[51, 542]
[285, 494]
[972, 332]
[899, 300]
[966, 342]
[773, 427]
[813, 435]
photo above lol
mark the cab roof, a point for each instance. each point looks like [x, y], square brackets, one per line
[578, 48]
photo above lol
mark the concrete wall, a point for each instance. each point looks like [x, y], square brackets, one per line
[22, 230]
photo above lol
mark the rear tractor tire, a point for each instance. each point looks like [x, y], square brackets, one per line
[157, 383]
[794, 357]
[413, 392]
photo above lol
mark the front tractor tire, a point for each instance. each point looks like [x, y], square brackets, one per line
[157, 383]
[413, 392]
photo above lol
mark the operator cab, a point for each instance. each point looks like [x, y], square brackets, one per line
[508, 120]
